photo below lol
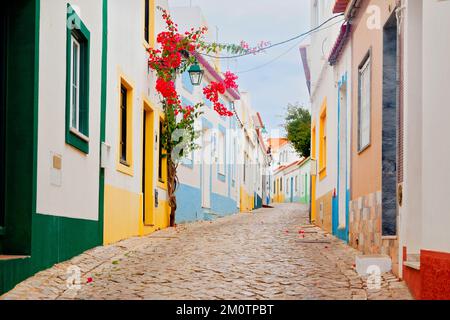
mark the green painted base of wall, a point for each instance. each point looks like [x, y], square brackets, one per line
[46, 239]
[55, 239]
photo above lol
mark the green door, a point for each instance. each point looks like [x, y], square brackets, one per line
[2, 115]
[18, 115]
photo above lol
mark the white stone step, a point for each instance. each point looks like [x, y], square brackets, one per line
[367, 264]
[412, 264]
[413, 261]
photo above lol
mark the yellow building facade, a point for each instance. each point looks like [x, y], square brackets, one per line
[135, 202]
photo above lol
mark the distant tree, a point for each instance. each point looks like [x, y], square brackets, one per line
[298, 128]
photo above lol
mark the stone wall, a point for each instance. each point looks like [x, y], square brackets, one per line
[324, 219]
[365, 229]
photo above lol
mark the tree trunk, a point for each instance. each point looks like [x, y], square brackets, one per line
[172, 186]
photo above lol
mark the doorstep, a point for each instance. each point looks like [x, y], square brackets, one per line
[366, 264]
[413, 261]
[9, 258]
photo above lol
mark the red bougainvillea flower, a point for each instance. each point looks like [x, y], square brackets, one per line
[214, 89]
[168, 58]
[230, 80]
[89, 280]
[166, 88]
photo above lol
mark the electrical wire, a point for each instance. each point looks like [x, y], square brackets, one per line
[286, 52]
[276, 44]
[271, 61]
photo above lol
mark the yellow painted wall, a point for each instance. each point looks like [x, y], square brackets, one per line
[247, 201]
[313, 177]
[123, 216]
[279, 194]
[279, 197]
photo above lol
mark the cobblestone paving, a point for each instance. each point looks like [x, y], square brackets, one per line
[259, 255]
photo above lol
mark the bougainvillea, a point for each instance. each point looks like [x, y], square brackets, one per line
[174, 54]
[214, 89]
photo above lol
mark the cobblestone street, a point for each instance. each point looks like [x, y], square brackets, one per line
[259, 255]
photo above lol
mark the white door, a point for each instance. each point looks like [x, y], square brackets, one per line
[206, 169]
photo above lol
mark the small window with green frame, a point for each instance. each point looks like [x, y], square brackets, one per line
[77, 82]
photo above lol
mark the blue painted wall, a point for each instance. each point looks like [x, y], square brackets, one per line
[223, 205]
[189, 205]
[189, 200]
[295, 199]
[340, 233]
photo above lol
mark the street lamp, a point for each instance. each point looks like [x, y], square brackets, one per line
[196, 74]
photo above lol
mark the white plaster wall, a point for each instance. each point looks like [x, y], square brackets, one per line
[327, 90]
[289, 155]
[248, 143]
[411, 211]
[288, 174]
[342, 71]
[127, 57]
[77, 196]
[191, 176]
[305, 169]
[260, 189]
[324, 86]
[436, 112]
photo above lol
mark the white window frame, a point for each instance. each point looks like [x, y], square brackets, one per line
[221, 152]
[364, 104]
[75, 74]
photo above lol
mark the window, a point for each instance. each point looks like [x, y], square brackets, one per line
[123, 124]
[75, 85]
[364, 104]
[221, 152]
[77, 82]
[301, 185]
[186, 82]
[161, 155]
[323, 141]
[281, 184]
[187, 155]
[296, 183]
[147, 21]
[313, 140]
[125, 143]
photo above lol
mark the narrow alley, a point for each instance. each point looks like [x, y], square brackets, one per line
[267, 254]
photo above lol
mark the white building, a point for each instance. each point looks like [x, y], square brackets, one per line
[251, 162]
[327, 64]
[53, 75]
[283, 154]
[224, 175]
[424, 215]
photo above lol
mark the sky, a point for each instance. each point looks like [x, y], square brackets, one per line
[278, 78]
